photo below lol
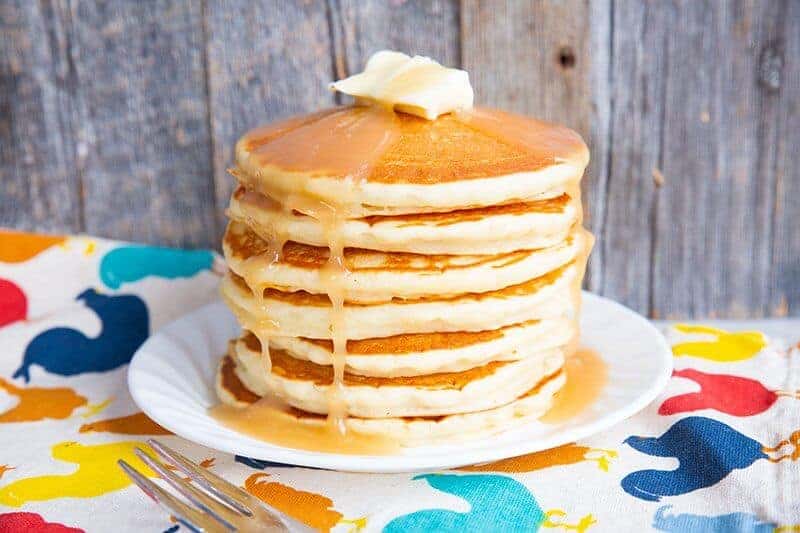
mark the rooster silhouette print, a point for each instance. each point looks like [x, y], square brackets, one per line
[13, 303]
[66, 351]
[733, 395]
[129, 264]
[722, 347]
[694, 523]
[97, 473]
[497, 503]
[22, 522]
[39, 403]
[707, 450]
[313, 509]
[17, 247]
[563, 455]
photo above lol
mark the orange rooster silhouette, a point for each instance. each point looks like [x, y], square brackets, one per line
[563, 455]
[38, 403]
[314, 510]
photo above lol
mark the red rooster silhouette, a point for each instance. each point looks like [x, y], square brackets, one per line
[734, 395]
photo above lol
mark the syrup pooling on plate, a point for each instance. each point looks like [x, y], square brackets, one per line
[343, 142]
[587, 375]
[271, 420]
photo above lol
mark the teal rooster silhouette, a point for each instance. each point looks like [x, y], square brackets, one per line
[129, 264]
[497, 503]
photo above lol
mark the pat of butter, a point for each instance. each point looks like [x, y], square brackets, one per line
[416, 85]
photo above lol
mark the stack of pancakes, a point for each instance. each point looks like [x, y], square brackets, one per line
[410, 278]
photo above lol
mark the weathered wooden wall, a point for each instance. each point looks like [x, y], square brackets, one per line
[117, 118]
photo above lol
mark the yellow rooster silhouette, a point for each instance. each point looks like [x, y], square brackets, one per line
[725, 347]
[97, 473]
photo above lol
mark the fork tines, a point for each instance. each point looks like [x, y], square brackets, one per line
[208, 503]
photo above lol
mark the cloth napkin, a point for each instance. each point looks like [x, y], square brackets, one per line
[717, 451]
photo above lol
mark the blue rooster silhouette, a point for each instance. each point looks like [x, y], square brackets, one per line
[708, 450]
[66, 351]
[695, 523]
[258, 464]
[497, 503]
[133, 263]
[261, 464]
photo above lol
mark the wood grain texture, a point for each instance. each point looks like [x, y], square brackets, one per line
[143, 131]
[688, 106]
[530, 57]
[417, 27]
[599, 138]
[39, 170]
[779, 82]
[266, 60]
[624, 231]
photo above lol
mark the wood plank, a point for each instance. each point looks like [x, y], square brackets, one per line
[40, 181]
[416, 27]
[779, 85]
[547, 59]
[598, 137]
[529, 57]
[624, 234]
[713, 231]
[710, 241]
[266, 60]
[144, 122]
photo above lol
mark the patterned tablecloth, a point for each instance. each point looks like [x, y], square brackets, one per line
[717, 451]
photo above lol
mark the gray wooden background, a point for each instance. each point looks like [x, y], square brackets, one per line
[117, 118]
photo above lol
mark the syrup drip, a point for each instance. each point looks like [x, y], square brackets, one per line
[262, 328]
[333, 279]
[275, 242]
[327, 145]
[587, 374]
[275, 238]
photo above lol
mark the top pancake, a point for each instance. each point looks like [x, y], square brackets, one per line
[402, 163]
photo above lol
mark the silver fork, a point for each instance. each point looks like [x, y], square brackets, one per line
[212, 504]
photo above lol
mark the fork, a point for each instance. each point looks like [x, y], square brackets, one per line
[214, 505]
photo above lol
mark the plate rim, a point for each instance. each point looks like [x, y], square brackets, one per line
[292, 457]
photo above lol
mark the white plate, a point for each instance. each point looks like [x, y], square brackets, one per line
[171, 379]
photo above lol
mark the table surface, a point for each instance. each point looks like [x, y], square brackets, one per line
[717, 451]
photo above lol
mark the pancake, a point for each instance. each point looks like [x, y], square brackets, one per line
[405, 164]
[486, 230]
[306, 385]
[379, 276]
[413, 431]
[427, 353]
[303, 314]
